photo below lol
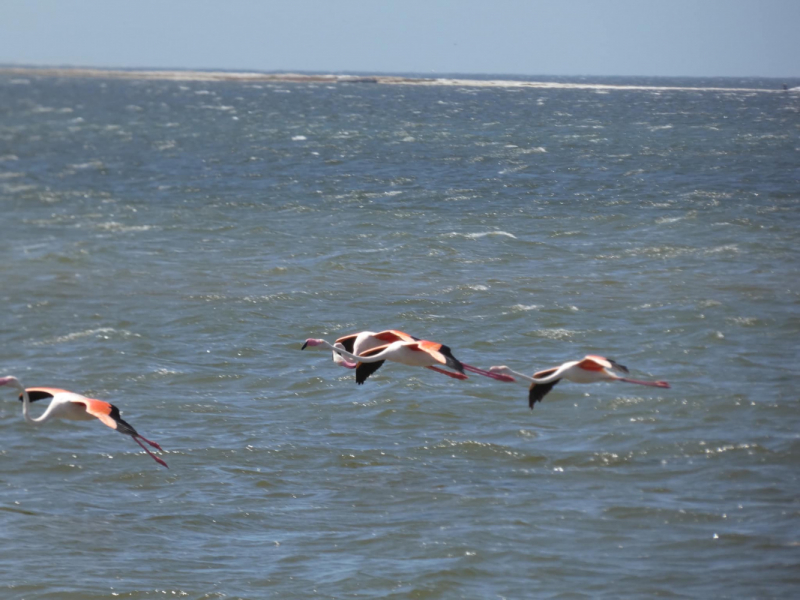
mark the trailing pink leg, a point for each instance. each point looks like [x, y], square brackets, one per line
[449, 373]
[661, 384]
[155, 458]
[498, 376]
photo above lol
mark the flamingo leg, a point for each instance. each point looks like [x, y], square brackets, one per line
[449, 373]
[153, 444]
[661, 384]
[498, 376]
[155, 458]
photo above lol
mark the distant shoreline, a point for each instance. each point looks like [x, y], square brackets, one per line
[255, 77]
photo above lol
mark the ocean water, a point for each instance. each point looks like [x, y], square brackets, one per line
[169, 245]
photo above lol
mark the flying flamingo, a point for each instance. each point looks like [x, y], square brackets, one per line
[74, 407]
[359, 343]
[414, 352]
[589, 370]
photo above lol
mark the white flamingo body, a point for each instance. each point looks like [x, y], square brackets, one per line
[420, 353]
[75, 407]
[590, 369]
[412, 354]
[364, 341]
[576, 372]
[409, 350]
[64, 405]
[356, 347]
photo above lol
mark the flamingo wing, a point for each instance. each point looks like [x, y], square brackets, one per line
[440, 353]
[365, 369]
[546, 373]
[42, 393]
[394, 335]
[595, 363]
[538, 391]
[108, 415]
[348, 342]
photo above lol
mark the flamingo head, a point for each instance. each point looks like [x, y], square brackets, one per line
[312, 342]
[10, 380]
[502, 370]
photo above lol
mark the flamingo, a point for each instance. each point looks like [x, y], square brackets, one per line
[590, 369]
[74, 407]
[358, 343]
[414, 352]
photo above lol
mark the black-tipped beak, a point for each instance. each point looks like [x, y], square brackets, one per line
[304, 346]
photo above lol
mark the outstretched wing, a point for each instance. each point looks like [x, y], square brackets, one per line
[537, 391]
[42, 393]
[394, 335]
[108, 415]
[594, 363]
[365, 369]
[440, 353]
[348, 342]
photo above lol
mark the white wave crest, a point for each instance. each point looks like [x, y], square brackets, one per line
[100, 333]
[475, 236]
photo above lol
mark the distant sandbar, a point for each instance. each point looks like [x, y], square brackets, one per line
[254, 77]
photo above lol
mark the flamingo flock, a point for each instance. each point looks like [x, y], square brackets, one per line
[365, 352]
[369, 350]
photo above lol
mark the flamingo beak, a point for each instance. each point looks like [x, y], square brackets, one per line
[304, 345]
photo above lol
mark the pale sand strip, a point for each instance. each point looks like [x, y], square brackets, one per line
[306, 78]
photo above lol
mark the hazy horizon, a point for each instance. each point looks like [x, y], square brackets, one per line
[579, 38]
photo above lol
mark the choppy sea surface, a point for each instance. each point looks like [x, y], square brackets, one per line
[168, 246]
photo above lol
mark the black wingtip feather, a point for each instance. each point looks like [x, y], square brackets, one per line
[122, 425]
[452, 361]
[619, 366]
[35, 395]
[538, 391]
[348, 343]
[364, 370]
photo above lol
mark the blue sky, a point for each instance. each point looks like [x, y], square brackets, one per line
[524, 37]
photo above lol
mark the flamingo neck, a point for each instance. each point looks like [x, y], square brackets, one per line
[522, 376]
[548, 379]
[354, 357]
[339, 360]
[26, 401]
[26, 409]
[26, 406]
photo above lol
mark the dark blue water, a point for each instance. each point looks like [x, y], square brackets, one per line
[168, 245]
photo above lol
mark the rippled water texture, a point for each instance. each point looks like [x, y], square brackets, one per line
[168, 246]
